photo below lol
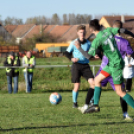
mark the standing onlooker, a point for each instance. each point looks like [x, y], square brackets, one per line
[128, 71]
[28, 62]
[12, 60]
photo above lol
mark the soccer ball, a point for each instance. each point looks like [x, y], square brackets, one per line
[55, 98]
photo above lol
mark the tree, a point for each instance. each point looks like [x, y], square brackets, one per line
[12, 21]
[65, 19]
[55, 19]
[36, 20]
[72, 19]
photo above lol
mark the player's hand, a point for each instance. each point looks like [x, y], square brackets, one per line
[129, 65]
[74, 60]
[77, 44]
[96, 56]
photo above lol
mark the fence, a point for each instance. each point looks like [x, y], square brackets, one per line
[48, 66]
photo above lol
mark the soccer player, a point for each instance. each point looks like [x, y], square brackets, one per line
[80, 66]
[124, 48]
[106, 43]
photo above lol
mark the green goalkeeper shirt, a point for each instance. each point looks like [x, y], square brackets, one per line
[106, 42]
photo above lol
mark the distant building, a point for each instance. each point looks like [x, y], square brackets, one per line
[128, 21]
[4, 33]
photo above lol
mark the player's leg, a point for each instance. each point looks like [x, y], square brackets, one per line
[76, 80]
[89, 96]
[88, 75]
[98, 79]
[103, 84]
[128, 84]
[75, 94]
[118, 79]
[124, 95]
[123, 103]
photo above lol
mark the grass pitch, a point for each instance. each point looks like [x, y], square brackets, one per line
[33, 114]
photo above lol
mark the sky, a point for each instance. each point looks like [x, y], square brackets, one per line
[29, 8]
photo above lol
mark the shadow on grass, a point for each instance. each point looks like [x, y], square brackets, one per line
[65, 126]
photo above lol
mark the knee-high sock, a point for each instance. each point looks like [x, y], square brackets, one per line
[90, 94]
[123, 105]
[97, 94]
[129, 100]
[74, 95]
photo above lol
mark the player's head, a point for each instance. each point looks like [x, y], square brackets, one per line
[81, 31]
[11, 55]
[28, 54]
[94, 25]
[118, 24]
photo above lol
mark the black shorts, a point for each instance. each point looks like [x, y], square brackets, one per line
[79, 70]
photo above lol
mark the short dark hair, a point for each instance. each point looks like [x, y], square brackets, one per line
[81, 27]
[118, 23]
[95, 24]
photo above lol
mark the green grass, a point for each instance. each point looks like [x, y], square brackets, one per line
[45, 79]
[33, 114]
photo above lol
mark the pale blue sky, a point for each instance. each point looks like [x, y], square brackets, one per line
[30, 8]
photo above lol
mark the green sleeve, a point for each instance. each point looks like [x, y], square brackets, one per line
[113, 30]
[94, 46]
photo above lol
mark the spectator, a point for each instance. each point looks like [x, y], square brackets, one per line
[128, 71]
[28, 62]
[12, 60]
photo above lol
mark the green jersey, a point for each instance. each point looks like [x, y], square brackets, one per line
[106, 42]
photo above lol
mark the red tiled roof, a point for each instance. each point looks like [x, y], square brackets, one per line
[59, 30]
[10, 28]
[129, 20]
[70, 35]
[21, 30]
[35, 31]
[49, 28]
[88, 33]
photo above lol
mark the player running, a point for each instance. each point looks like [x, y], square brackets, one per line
[106, 43]
[124, 48]
[80, 65]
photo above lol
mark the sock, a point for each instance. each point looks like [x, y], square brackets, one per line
[75, 95]
[125, 114]
[92, 100]
[97, 94]
[123, 106]
[90, 94]
[129, 100]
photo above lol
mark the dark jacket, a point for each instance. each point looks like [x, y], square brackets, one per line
[12, 73]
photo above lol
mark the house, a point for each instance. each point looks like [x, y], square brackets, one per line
[21, 30]
[10, 28]
[128, 21]
[4, 33]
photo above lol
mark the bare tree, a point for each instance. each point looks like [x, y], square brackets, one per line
[55, 19]
[65, 19]
[12, 21]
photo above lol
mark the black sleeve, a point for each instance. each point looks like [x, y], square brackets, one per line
[123, 30]
[98, 52]
[6, 63]
[68, 55]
